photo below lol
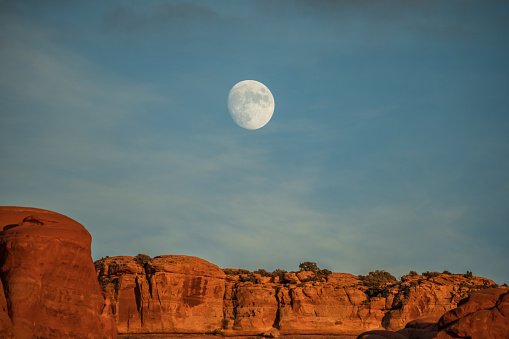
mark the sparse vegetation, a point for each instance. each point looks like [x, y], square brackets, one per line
[142, 259]
[447, 272]
[262, 272]
[468, 275]
[312, 267]
[308, 266]
[251, 277]
[376, 282]
[413, 273]
[377, 278]
[231, 271]
[429, 274]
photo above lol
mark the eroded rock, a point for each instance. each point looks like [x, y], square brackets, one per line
[47, 274]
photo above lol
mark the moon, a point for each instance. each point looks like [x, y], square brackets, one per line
[251, 104]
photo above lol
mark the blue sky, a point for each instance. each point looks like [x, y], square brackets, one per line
[388, 148]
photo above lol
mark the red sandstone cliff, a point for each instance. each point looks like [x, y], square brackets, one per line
[48, 287]
[483, 314]
[171, 294]
[180, 294]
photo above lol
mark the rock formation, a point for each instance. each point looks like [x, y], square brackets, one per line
[483, 314]
[48, 287]
[180, 294]
[169, 294]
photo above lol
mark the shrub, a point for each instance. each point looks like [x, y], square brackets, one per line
[413, 273]
[377, 278]
[224, 323]
[232, 271]
[468, 275]
[308, 266]
[277, 273]
[447, 272]
[311, 266]
[375, 291]
[262, 272]
[142, 259]
[505, 285]
[429, 274]
[251, 277]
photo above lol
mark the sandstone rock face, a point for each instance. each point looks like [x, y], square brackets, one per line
[484, 314]
[47, 274]
[170, 294]
[250, 309]
[427, 297]
[180, 294]
[326, 308]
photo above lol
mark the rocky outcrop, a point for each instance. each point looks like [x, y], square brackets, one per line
[418, 297]
[483, 314]
[180, 294]
[48, 286]
[168, 294]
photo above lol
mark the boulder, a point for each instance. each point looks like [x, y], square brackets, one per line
[47, 274]
[484, 314]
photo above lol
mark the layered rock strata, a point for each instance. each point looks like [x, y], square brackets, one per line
[483, 314]
[48, 287]
[170, 294]
[180, 294]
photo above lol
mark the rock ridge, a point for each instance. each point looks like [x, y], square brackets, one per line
[183, 294]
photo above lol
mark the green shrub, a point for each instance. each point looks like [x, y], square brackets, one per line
[277, 273]
[232, 271]
[262, 272]
[308, 266]
[142, 259]
[377, 278]
[429, 274]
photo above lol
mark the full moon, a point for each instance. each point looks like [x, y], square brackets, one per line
[251, 104]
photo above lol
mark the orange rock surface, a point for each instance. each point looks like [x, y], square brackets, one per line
[170, 294]
[180, 294]
[48, 281]
[428, 297]
[484, 314]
